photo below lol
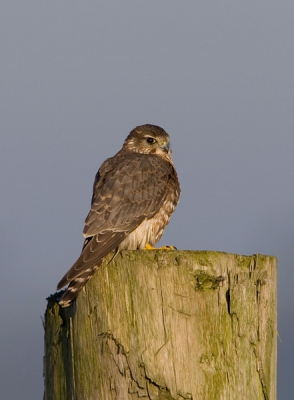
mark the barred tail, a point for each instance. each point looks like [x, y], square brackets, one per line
[76, 285]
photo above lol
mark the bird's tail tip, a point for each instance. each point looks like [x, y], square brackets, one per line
[63, 297]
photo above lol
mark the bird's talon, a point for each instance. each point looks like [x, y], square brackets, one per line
[172, 247]
[167, 248]
[149, 247]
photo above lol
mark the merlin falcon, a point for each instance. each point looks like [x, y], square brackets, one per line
[134, 195]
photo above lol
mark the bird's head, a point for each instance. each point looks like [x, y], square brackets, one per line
[149, 139]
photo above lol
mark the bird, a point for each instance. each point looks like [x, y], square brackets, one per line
[135, 193]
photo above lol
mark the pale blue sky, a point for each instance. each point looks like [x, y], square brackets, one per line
[76, 77]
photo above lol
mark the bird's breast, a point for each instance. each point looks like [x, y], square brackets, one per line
[150, 230]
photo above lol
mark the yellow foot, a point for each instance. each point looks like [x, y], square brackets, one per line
[149, 247]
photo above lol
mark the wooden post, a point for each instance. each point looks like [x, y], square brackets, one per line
[166, 325]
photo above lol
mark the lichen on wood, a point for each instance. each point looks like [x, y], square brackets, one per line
[167, 325]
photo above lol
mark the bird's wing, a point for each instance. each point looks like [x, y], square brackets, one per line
[132, 188]
[128, 188]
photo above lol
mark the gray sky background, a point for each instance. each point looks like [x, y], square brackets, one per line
[76, 77]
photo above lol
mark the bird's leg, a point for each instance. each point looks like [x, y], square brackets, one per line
[149, 247]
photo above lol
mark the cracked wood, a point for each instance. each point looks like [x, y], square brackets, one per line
[167, 325]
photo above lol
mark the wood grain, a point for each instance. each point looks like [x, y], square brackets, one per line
[198, 325]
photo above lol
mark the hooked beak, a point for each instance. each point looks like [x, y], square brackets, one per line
[165, 147]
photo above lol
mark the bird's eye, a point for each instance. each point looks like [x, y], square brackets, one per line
[150, 140]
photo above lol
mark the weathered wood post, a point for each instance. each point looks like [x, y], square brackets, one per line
[160, 325]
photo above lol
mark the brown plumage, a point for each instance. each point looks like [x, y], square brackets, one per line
[134, 194]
